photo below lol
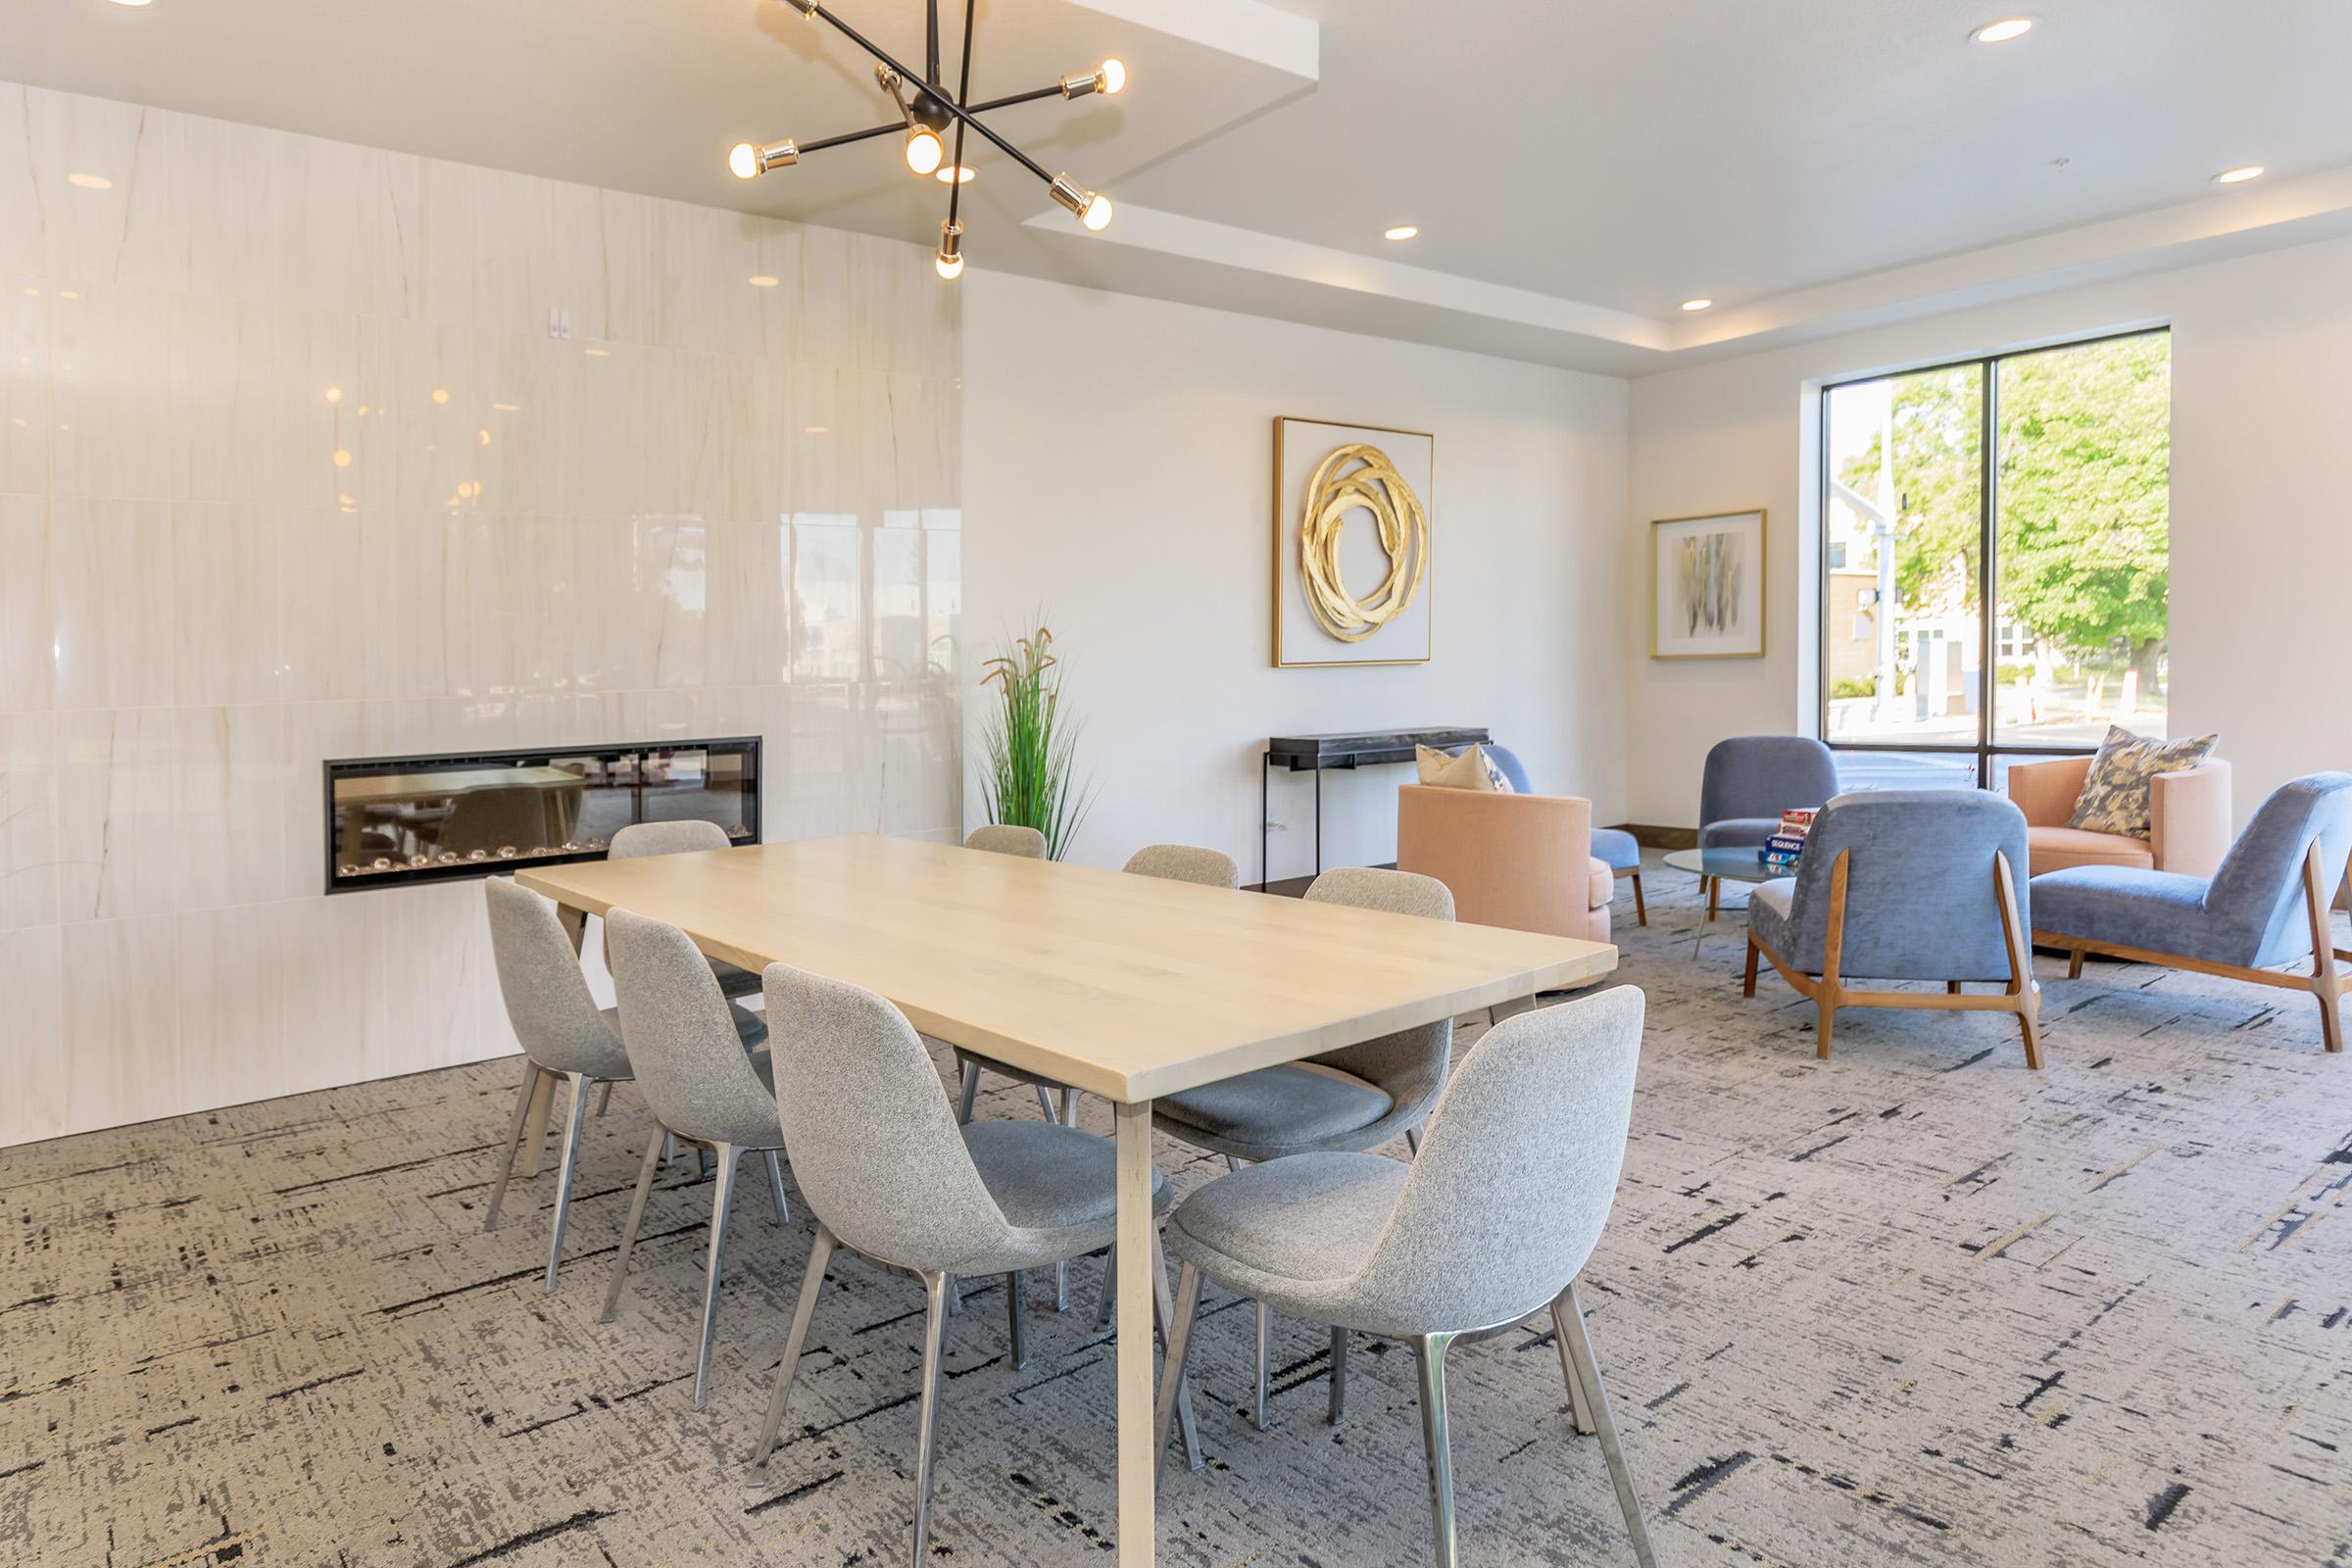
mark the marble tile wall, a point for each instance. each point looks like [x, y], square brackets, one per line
[293, 465]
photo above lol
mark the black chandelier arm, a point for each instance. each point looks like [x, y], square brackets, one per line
[845, 139]
[1052, 92]
[963, 94]
[963, 115]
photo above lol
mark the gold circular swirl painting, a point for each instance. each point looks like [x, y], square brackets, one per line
[1359, 477]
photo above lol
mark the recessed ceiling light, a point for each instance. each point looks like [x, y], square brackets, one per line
[764, 281]
[2239, 176]
[815, 429]
[135, 3]
[1699, 304]
[90, 182]
[957, 175]
[2004, 31]
[1400, 232]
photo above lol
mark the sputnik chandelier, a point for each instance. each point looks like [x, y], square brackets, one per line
[925, 109]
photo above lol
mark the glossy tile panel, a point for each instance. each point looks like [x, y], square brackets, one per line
[310, 450]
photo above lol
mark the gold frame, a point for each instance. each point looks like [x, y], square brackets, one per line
[1763, 586]
[1429, 581]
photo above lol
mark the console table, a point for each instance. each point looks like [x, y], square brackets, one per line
[1350, 750]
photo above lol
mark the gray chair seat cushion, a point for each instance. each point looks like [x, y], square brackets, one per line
[1275, 1109]
[1737, 832]
[1057, 1188]
[2129, 907]
[1616, 847]
[1292, 1233]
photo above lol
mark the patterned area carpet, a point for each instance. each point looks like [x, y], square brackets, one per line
[1910, 1305]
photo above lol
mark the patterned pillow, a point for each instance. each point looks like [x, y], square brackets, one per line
[1474, 769]
[2116, 792]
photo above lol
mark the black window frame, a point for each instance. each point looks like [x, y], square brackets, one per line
[1986, 748]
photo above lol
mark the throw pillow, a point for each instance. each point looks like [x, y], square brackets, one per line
[1474, 769]
[2117, 792]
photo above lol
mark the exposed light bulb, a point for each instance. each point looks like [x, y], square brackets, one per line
[950, 261]
[1114, 74]
[748, 162]
[1084, 205]
[950, 267]
[923, 150]
[1096, 215]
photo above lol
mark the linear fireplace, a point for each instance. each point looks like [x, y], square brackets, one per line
[393, 819]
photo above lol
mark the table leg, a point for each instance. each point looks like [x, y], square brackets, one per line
[1138, 1521]
[543, 1099]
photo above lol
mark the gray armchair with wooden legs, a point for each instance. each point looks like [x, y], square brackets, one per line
[1904, 885]
[2265, 908]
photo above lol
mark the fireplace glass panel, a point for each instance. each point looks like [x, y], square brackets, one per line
[426, 818]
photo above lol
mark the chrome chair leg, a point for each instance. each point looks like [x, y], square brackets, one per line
[670, 1149]
[581, 1084]
[954, 1300]
[1264, 1347]
[1580, 1406]
[1429, 1354]
[1180, 1352]
[1339, 1375]
[629, 1232]
[505, 1168]
[971, 1093]
[1062, 1286]
[934, 1326]
[1016, 1322]
[1110, 1295]
[1163, 1316]
[722, 1194]
[1568, 1320]
[1069, 1107]
[1412, 1140]
[1045, 1098]
[820, 1253]
[775, 1187]
[604, 1102]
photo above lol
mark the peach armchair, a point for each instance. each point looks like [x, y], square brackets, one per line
[1523, 862]
[2190, 811]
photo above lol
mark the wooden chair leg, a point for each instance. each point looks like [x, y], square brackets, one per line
[2073, 964]
[1832, 951]
[1641, 905]
[2022, 987]
[2318, 893]
[1714, 895]
[1951, 988]
[1747, 986]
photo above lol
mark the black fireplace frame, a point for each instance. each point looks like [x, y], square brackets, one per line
[335, 769]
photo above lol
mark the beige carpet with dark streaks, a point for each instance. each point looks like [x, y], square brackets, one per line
[1911, 1306]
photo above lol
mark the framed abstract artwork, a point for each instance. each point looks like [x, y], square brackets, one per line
[1706, 586]
[1354, 506]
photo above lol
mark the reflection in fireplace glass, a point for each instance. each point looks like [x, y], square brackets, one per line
[423, 818]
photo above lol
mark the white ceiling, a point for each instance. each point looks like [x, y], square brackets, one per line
[1576, 170]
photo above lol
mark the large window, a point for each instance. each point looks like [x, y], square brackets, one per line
[2036, 486]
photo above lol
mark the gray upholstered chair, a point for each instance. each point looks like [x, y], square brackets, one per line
[890, 1175]
[1492, 1221]
[1904, 885]
[693, 1071]
[2265, 907]
[686, 837]
[1185, 862]
[563, 1032]
[1749, 782]
[1613, 847]
[1357, 1098]
[1007, 837]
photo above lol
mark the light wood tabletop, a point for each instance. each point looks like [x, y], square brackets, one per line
[1126, 986]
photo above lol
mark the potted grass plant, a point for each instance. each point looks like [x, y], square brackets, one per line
[1030, 745]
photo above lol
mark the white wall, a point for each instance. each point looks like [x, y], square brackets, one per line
[2262, 510]
[291, 468]
[1117, 470]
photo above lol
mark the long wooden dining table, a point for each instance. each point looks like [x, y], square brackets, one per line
[1126, 987]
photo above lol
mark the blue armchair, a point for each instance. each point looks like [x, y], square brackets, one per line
[1904, 885]
[1749, 782]
[2265, 907]
[1613, 847]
